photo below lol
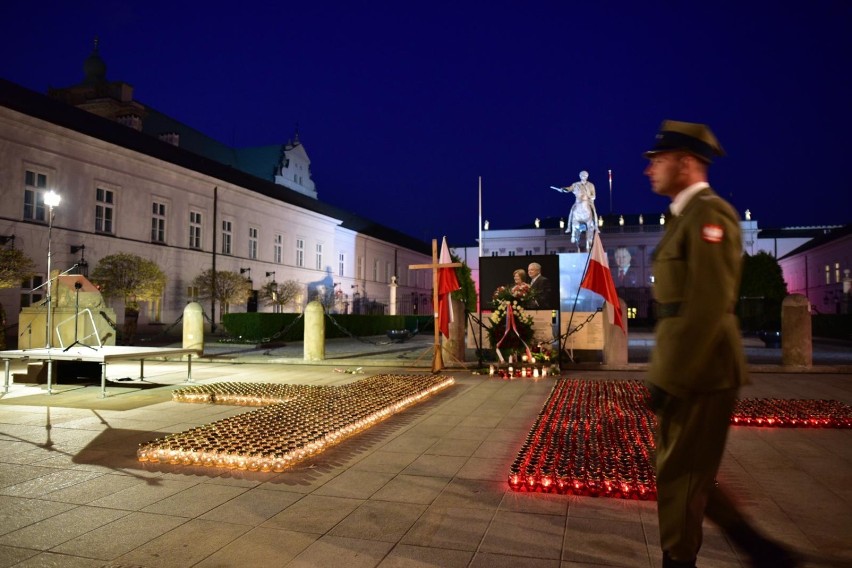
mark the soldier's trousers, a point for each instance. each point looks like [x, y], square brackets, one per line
[690, 440]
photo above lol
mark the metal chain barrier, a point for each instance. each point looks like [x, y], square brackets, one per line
[570, 332]
[163, 332]
[363, 340]
[283, 331]
[277, 335]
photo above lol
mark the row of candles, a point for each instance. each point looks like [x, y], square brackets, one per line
[782, 413]
[591, 438]
[293, 423]
[597, 437]
[521, 372]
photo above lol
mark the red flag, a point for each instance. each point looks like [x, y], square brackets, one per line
[447, 283]
[598, 279]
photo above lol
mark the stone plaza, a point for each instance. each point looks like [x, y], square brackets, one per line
[426, 487]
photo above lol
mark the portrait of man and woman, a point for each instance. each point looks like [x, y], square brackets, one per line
[535, 279]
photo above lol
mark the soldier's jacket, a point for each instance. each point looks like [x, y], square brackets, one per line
[697, 267]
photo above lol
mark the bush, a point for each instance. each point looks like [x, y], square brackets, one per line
[836, 326]
[254, 327]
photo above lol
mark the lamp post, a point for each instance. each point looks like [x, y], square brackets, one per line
[82, 265]
[51, 199]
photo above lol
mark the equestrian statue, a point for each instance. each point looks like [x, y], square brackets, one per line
[583, 216]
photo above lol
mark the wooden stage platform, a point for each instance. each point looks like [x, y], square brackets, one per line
[102, 355]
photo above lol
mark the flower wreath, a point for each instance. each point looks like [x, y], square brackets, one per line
[506, 300]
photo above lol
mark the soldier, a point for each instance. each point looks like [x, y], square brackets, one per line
[698, 364]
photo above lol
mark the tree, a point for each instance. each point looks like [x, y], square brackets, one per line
[762, 290]
[467, 292]
[231, 288]
[281, 293]
[15, 267]
[129, 277]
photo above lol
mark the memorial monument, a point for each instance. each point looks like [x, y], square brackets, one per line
[583, 216]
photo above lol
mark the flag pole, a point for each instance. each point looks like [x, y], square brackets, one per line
[479, 269]
[480, 216]
[610, 191]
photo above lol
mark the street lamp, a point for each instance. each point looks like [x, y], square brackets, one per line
[82, 265]
[51, 199]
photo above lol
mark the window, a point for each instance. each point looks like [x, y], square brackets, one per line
[837, 272]
[29, 296]
[827, 274]
[158, 222]
[192, 293]
[277, 248]
[104, 210]
[194, 230]
[511, 253]
[341, 263]
[528, 253]
[300, 252]
[495, 253]
[252, 243]
[319, 256]
[360, 273]
[376, 270]
[388, 272]
[227, 234]
[35, 186]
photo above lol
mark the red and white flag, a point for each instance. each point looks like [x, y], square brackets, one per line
[598, 279]
[447, 283]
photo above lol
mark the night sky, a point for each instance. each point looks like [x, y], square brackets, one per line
[401, 106]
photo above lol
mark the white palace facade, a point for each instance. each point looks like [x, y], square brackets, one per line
[821, 273]
[169, 197]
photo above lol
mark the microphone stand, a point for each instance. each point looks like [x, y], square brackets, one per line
[49, 303]
[77, 287]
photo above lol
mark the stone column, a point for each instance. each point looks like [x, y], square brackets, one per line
[796, 338]
[615, 340]
[193, 326]
[314, 332]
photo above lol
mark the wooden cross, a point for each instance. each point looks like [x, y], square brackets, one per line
[437, 360]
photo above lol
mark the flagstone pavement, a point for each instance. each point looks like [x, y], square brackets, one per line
[426, 487]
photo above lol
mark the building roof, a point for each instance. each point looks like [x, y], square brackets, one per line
[826, 237]
[56, 112]
[796, 232]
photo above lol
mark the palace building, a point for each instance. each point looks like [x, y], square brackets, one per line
[133, 180]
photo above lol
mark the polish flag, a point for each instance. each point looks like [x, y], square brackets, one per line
[447, 283]
[598, 279]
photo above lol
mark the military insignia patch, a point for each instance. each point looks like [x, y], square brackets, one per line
[712, 233]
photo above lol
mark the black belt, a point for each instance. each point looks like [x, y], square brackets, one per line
[672, 309]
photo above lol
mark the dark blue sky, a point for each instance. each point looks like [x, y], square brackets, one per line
[402, 105]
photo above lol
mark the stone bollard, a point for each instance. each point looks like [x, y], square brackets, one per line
[392, 304]
[193, 327]
[797, 347]
[455, 345]
[615, 340]
[314, 332]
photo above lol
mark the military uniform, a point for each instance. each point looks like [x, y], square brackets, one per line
[698, 360]
[697, 365]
